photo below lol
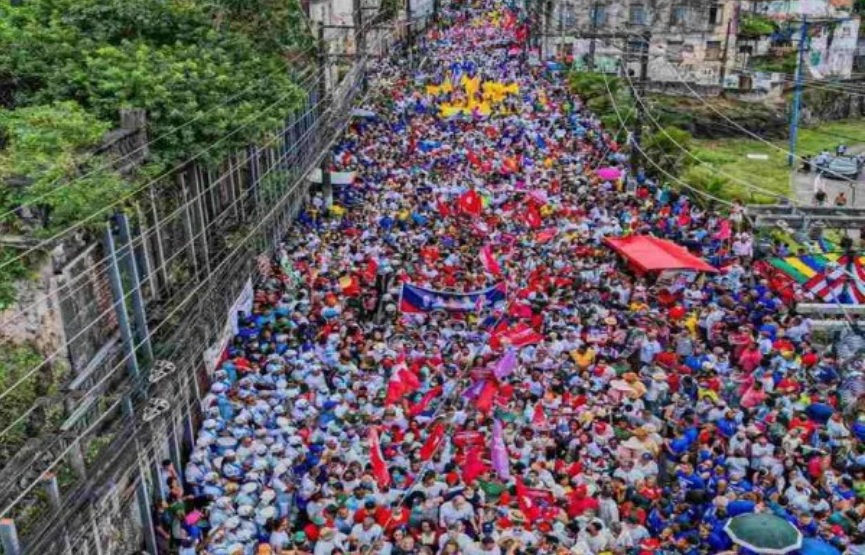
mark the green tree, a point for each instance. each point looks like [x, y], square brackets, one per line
[666, 148]
[45, 146]
[173, 58]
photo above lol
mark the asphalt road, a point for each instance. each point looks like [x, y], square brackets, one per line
[803, 186]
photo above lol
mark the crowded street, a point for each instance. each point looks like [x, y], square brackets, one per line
[453, 352]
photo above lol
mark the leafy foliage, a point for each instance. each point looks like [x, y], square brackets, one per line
[12, 271]
[47, 145]
[223, 67]
[755, 25]
[596, 90]
[278, 24]
[774, 64]
[666, 148]
[16, 361]
[212, 77]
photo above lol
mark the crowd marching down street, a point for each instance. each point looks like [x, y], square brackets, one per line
[450, 358]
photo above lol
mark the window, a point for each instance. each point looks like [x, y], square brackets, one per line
[674, 50]
[569, 16]
[678, 15]
[713, 50]
[716, 14]
[598, 15]
[638, 15]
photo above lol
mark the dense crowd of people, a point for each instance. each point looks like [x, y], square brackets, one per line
[445, 358]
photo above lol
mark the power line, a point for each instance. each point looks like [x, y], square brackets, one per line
[691, 155]
[249, 121]
[128, 155]
[114, 405]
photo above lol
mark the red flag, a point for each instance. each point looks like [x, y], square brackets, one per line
[443, 209]
[370, 271]
[520, 310]
[518, 336]
[395, 390]
[533, 217]
[485, 399]
[470, 203]
[489, 261]
[379, 468]
[432, 443]
[522, 34]
[425, 401]
[473, 465]
[409, 380]
[525, 501]
[546, 235]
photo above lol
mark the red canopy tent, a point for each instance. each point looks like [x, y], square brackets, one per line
[651, 254]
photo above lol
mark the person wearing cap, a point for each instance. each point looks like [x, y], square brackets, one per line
[310, 373]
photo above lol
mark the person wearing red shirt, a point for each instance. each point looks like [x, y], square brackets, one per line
[397, 517]
[379, 514]
[750, 358]
[804, 423]
[667, 358]
[580, 502]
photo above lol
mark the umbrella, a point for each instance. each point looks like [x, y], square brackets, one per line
[609, 173]
[812, 546]
[764, 533]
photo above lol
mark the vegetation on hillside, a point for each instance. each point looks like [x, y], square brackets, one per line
[211, 76]
[201, 70]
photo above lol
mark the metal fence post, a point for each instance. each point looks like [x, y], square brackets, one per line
[131, 359]
[145, 514]
[9, 537]
[127, 257]
[52, 489]
[76, 460]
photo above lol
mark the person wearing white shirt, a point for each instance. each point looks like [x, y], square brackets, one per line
[628, 473]
[366, 532]
[328, 540]
[595, 537]
[455, 533]
[455, 511]
[487, 546]
[647, 466]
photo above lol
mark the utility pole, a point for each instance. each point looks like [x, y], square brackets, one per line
[590, 61]
[797, 95]
[322, 64]
[360, 39]
[732, 29]
[561, 46]
[639, 93]
[547, 26]
[409, 39]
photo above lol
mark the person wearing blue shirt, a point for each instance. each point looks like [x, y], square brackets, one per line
[386, 222]
[727, 425]
[689, 479]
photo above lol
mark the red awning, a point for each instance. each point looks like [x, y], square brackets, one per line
[651, 254]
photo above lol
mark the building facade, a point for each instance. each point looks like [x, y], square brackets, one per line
[734, 43]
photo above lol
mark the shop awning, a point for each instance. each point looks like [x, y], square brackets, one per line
[651, 254]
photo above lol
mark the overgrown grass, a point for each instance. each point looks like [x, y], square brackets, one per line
[729, 157]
